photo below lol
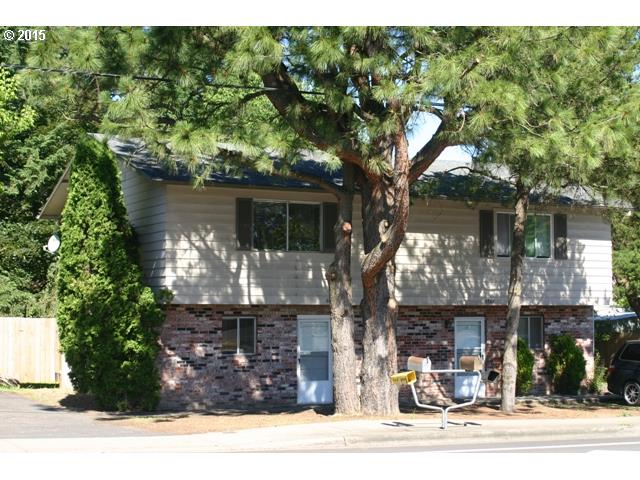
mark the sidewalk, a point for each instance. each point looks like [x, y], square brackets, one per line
[336, 435]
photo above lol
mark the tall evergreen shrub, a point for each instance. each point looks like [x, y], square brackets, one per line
[566, 365]
[107, 319]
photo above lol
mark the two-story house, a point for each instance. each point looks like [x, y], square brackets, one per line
[245, 259]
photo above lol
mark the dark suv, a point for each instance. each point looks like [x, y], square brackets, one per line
[624, 373]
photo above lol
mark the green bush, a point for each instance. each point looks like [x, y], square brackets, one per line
[25, 283]
[566, 365]
[599, 382]
[524, 378]
[107, 319]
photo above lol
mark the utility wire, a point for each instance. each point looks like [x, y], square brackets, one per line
[147, 78]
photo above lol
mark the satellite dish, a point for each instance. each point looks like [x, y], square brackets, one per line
[52, 245]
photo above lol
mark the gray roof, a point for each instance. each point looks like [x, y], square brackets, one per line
[139, 158]
[446, 178]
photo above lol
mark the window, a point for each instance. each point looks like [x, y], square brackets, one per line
[505, 234]
[530, 330]
[632, 352]
[304, 227]
[239, 335]
[537, 235]
[289, 226]
[269, 226]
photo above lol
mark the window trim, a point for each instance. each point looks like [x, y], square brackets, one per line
[551, 236]
[528, 317]
[287, 202]
[255, 335]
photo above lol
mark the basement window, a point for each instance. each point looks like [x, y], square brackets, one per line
[531, 331]
[239, 335]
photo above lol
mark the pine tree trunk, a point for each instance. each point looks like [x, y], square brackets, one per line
[379, 312]
[510, 357]
[385, 214]
[345, 393]
[380, 316]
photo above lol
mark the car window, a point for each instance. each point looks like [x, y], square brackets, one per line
[632, 352]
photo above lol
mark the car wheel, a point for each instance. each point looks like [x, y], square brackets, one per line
[631, 393]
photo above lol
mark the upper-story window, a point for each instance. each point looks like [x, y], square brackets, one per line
[545, 235]
[537, 235]
[282, 225]
[286, 226]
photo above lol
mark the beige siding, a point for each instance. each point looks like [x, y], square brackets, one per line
[204, 266]
[146, 208]
[438, 262]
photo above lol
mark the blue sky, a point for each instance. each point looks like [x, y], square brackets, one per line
[421, 134]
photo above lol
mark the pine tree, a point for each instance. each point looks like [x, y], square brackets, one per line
[107, 320]
[570, 104]
[351, 92]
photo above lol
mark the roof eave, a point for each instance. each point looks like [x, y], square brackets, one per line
[52, 209]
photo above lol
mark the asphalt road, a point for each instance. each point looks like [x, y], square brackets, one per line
[26, 426]
[22, 418]
[582, 445]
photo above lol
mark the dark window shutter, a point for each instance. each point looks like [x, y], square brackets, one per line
[329, 219]
[560, 236]
[244, 214]
[486, 233]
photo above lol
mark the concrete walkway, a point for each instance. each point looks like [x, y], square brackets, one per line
[334, 436]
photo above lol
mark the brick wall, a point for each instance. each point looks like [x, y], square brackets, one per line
[429, 331]
[196, 374]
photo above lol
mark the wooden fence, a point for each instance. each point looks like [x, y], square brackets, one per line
[29, 350]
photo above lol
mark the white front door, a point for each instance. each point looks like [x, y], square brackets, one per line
[469, 340]
[315, 379]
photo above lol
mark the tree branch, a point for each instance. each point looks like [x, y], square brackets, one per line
[391, 234]
[286, 97]
[305, 177]
[428, 153]
[474, 63]
[322, 183]
[483, 173]
[432, 110]
[252, 96]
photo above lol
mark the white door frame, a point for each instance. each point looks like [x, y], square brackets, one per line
[303, 318]
[481, 393]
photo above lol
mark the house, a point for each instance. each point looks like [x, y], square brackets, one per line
[245, 259]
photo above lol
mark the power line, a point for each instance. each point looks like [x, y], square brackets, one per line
[147, 78]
